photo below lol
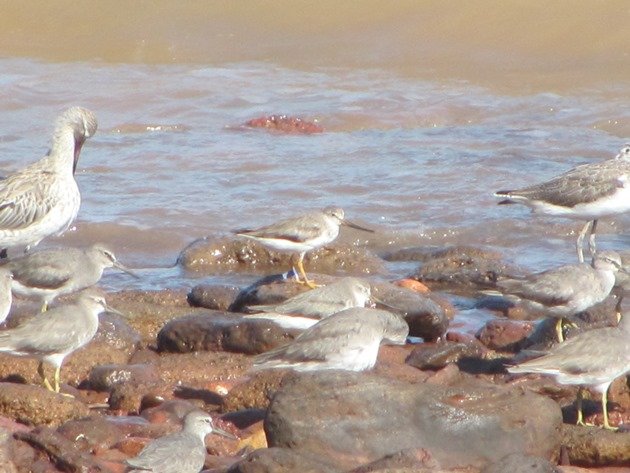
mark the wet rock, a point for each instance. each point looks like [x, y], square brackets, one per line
[463, 266]
[34, 405]
[213, 297]
[271, 290]
[285, 124]
[105, 377]
[521, 463]
[435, 356]
[492, 421]
[64, 454]
[425, 317]
[128, 397]
[281, 460]
[221, 331]
[91, 434]
[589, 446]
[254, 393]
[506, 335]
[218, 255]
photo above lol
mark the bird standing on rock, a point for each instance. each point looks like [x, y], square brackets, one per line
[180, 452]
[43, 198]
[302, 234]
[566, 290]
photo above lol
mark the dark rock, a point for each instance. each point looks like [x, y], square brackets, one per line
[213, 297]
[34, 405]
[221, 331]
[506, 335]
[219, 255]
[435, 356]
[521, 463]
[255, 393]
[425, 317]
[128, 397]
[91, 433]
[473, 424]
[593, 447]
[271, 290]
[281, 460]
[463, 266]
[401, 462]
[105, 377]
[64, 454]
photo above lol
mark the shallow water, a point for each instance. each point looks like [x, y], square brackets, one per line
[427, 110]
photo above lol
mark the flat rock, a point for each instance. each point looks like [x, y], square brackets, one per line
[280, 460]
[435, 356]
[253, 393]
[521, 463]
[91, 433]
[219, 255]
[34, 405]
[213, 296]
[425, 317]
[105, 377]
[221, 331]
[473, 424]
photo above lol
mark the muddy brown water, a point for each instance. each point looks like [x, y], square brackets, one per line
[428, 107]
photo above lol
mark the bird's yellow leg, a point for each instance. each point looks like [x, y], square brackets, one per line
[44, 307]
[605, 411]
[580, 415]
[42, 374]
[300, 265]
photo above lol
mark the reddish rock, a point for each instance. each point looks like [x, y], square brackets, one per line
[435, 356]
[285, 124]
[521, 463]
[491, 421]
[91, 434]
[413, 285]
[255, 392]
[221, 331]
[105, 377]
[282, 460]
[593, 447]
[34, 405]
[505, 335]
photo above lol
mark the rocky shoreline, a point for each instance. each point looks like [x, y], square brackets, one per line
[443, 405]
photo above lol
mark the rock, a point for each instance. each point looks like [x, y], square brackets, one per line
[34, 405]
[213, 297]
[281, 460]
[8, 466]
[220, 255]
[506, 335]
[521, 463]
[590, 446]
[254, 393]
[90, 434]
[105, 377]
[425, 317]
[401, 462]
[64, 454]
[270, 290]
[285, 124]
[463, 266]
[221, 331]
[491, 421]
[435, 356]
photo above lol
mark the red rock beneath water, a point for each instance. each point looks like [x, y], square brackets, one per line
[285, 124]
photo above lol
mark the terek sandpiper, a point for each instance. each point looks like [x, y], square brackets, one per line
[302, 234]
[348, 340]
[6, 298]
[52, 337]
[43, 199]
[180, 452]
[587, 192]
[567, 290]
[52, 272]
[594, 358]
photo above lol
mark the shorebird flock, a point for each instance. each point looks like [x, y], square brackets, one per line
[340, 330]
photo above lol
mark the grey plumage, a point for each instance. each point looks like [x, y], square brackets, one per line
[51, 337]
[43, 199]
[594, 358]
[6, 298]
[348, 340]
[567, 290]
[52, 272]
[316, 304]
[180, 452]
